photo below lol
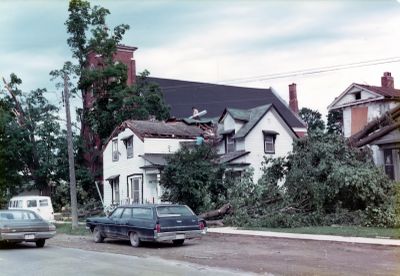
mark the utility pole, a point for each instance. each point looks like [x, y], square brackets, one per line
[71, 162]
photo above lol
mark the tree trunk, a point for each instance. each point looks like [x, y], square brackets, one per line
[226, 208]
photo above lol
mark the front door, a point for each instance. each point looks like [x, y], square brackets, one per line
[135, 189]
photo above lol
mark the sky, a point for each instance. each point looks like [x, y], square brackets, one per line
[243, 43]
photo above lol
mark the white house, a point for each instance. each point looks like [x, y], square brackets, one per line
[364, 108]
[133, 156]
[249, 135]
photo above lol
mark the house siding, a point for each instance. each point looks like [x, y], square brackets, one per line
[254, 141]
[131, 167]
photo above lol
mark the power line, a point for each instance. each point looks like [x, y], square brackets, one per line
[310, 71]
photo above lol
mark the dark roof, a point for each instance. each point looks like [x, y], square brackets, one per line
[230, 156]
[181, 96]
[156, 159]
[254, 116]
[384, 91]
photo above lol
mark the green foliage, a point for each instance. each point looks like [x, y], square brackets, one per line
[312, 118]
[31, 137]
[114, 101]
[335, 122]
[191, 177]
[323, 182]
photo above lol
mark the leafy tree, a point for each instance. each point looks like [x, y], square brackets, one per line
[312, 118]
[335, 122]
[32, 136]
[329, 182]
[115, 101]
[192, 177]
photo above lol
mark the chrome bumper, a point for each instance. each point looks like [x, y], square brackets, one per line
[179, 235]
[21, 236]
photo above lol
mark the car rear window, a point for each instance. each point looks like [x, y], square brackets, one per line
[17, 215]
[171, 211]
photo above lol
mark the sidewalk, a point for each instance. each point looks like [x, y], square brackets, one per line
[235, 231]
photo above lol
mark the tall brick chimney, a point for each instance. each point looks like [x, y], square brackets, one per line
[293, 104]
[387, 80]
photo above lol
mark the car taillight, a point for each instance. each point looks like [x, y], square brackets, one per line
[201, 225]
[157, 228]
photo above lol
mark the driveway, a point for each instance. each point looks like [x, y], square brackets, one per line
[259, 254]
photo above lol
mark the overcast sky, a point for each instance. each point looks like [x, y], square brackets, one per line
[230, 42]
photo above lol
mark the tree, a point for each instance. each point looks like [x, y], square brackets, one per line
[192, 177]
[113, 99]
[329, 182]
[335, 122]
[32, 136]
[312, 119]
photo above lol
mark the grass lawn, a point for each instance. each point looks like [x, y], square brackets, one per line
[349, 231]
[66, 228]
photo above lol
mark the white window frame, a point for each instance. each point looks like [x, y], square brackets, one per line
[115, 154]
[129, 147]
[269, 141]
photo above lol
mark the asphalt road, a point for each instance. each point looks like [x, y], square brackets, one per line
[26, 259]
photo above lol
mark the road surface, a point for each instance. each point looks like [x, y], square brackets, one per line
[26, 259]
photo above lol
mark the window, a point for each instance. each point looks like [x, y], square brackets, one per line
[135, 190]
[269, 143]
[43, 202]
[357, 95]
[173, 211]
[117, 213]
[142, 213]
[31, 203]
[115, 190]
[129, 147]
[230, 143]
[389, 166]
[127, 214]
[115, 150]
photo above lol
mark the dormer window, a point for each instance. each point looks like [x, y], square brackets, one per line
[230, 142]
[269, 141]
[357, 96]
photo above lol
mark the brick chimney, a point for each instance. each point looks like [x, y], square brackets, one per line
[293, 104]
[387, 80]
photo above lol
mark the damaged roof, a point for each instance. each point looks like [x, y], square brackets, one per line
[383, 91]
[162, 129]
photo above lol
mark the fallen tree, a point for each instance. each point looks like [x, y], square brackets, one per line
[224, 210]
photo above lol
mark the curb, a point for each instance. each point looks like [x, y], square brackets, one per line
[359, 240]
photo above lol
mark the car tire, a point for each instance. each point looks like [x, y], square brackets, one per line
[97, 235]
[178, 242]
[40, 243]
[134, 239]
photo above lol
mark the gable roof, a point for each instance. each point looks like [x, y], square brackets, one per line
[181, 96]
[380, 93]
[251, 117]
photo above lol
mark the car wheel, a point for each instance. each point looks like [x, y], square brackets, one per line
[40, 243]
[134, 239]
[97, 236]
[178, 242]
